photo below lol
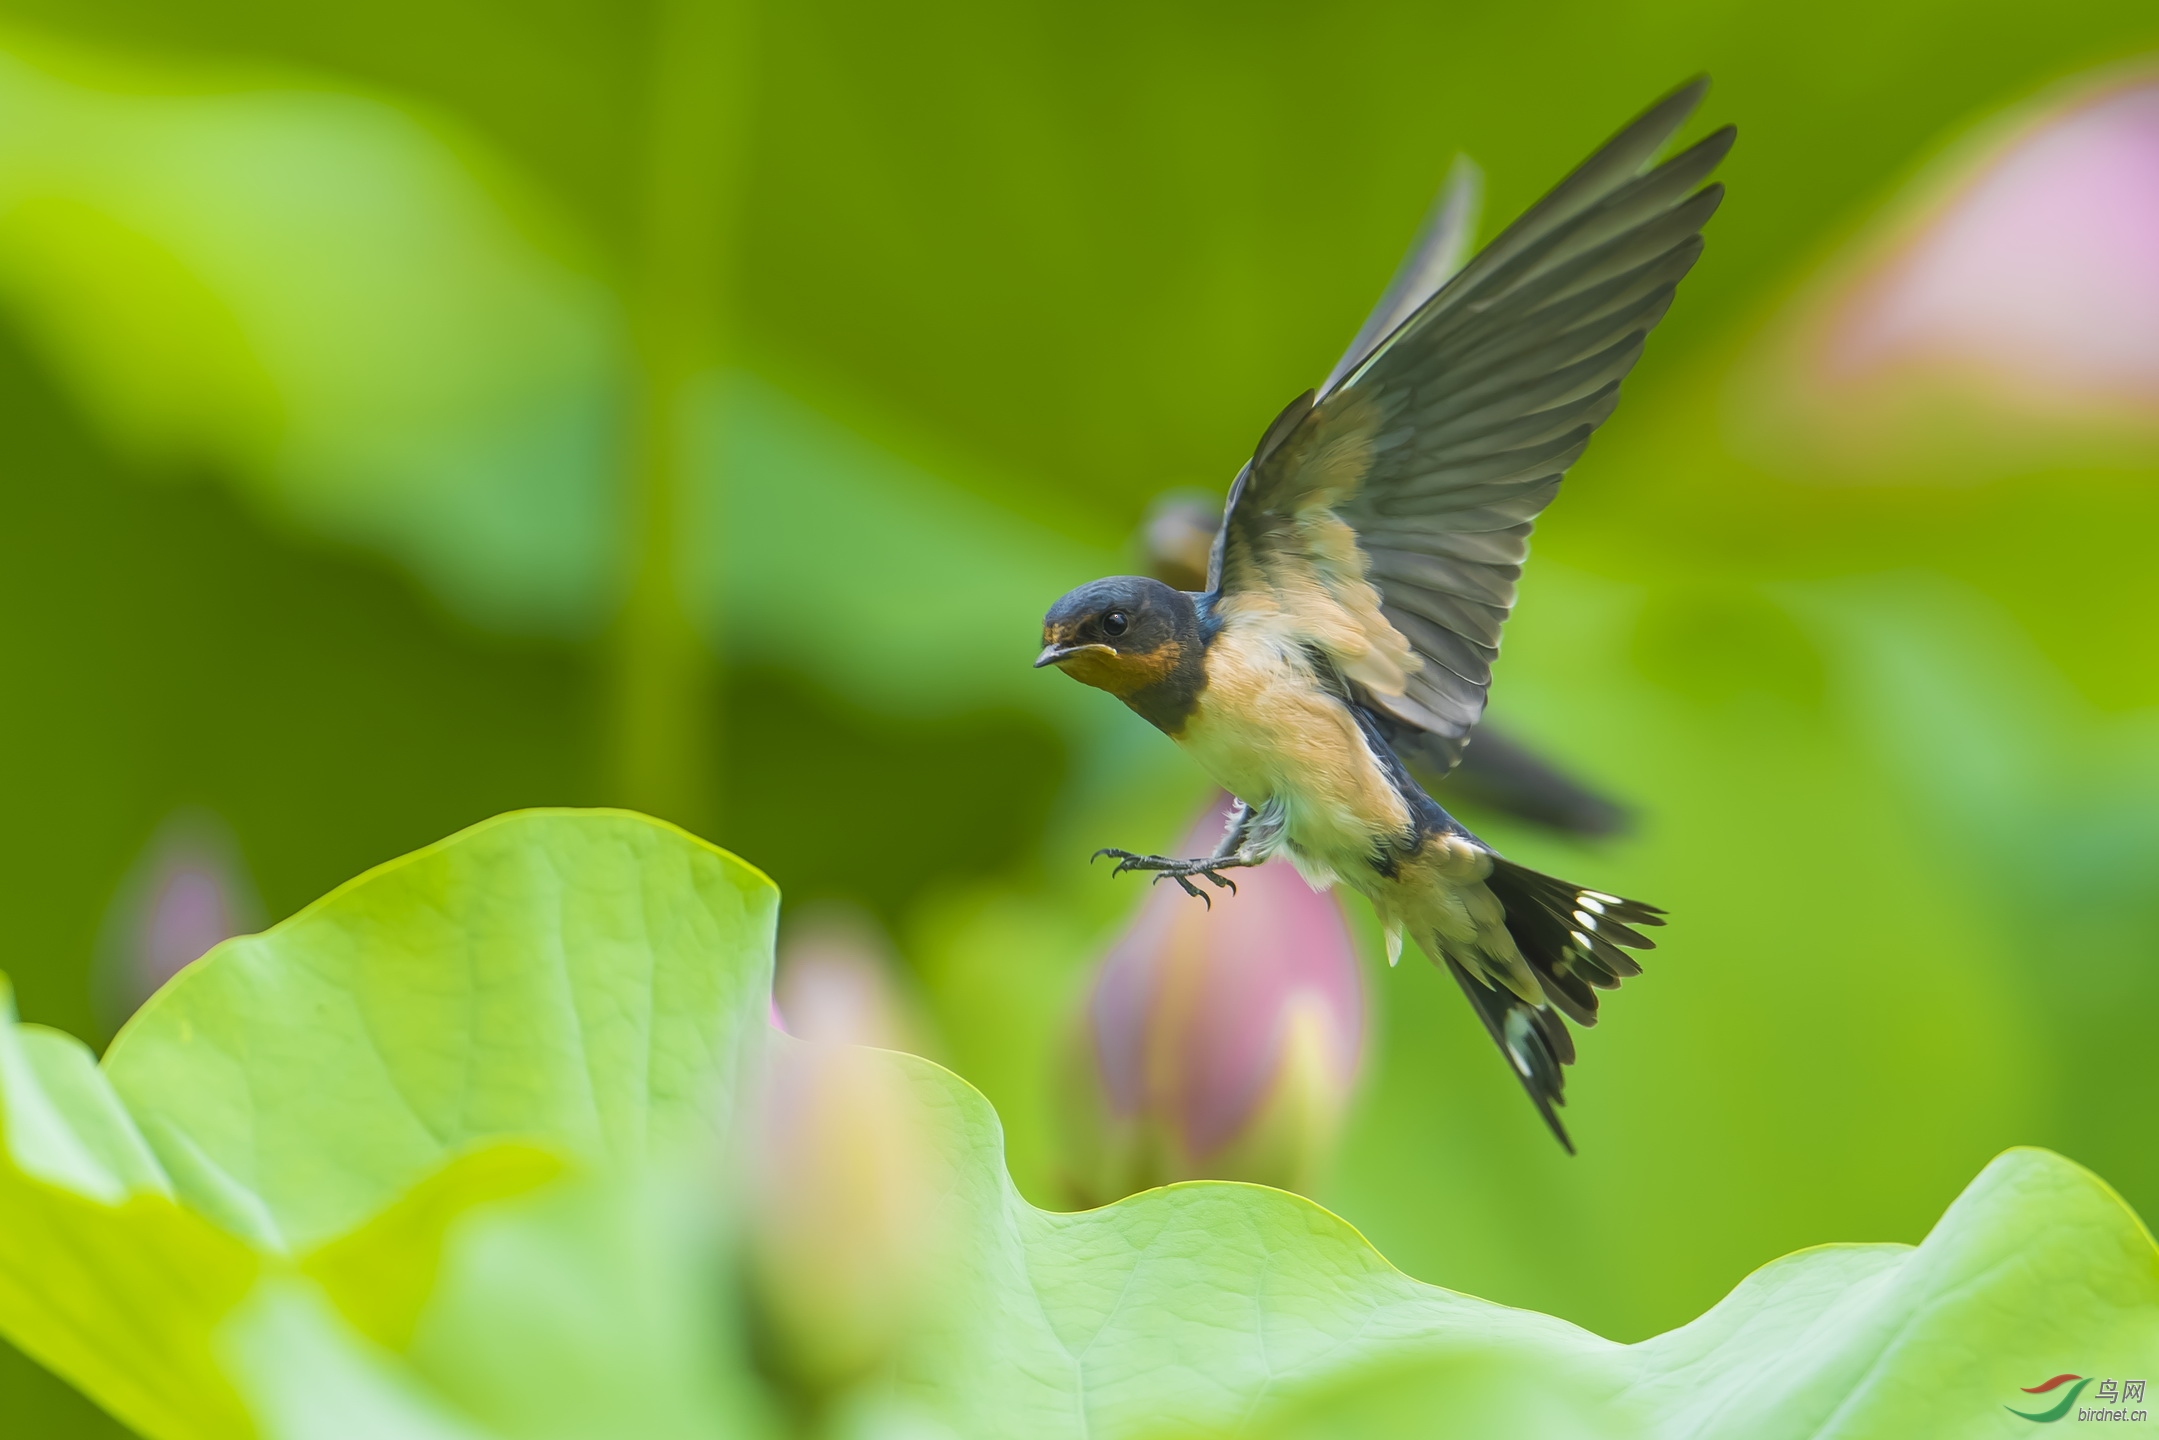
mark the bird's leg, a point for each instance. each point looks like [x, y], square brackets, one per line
[1233, 853]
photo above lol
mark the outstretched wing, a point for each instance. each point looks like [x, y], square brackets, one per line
[1385, 517]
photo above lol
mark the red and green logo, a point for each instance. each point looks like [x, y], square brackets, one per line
[2048, 1417]
[2111, 1401]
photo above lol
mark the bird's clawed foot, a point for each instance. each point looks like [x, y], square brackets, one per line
[1181, 871]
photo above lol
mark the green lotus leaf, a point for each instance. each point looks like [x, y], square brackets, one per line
[406, 1166]
[312, 1109]
[104, 1276]
[1213, 1308]
[582, 979]
[591, 1307]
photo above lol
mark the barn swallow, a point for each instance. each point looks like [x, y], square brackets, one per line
[1366, 561]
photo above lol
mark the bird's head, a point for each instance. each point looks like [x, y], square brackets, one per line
[1123, 634]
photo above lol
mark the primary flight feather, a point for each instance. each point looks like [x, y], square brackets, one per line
[1367, 561]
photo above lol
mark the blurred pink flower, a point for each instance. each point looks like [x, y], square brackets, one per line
[845, 1236]
[2041, 272]
[187, 891]
[836, 982]
[2008, 316]
[845, 1231]
[1219, 1043]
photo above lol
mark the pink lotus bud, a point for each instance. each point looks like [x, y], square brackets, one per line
[1219, 1042]
[2008, 315]
[188, 891]
[844, 1227]
[845, 1174]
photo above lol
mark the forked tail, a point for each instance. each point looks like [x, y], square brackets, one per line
[1576, 943]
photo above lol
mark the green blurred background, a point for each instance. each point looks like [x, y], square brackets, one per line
[411, 412]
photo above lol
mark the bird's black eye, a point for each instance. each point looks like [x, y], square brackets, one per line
[1114, 623]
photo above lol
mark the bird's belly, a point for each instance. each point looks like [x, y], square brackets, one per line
[1267, 732]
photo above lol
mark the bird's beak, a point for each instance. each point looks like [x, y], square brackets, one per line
[1054, 654]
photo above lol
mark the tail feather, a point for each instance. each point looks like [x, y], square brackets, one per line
[1534, 1040]
[1575, 941]
[1569, 934]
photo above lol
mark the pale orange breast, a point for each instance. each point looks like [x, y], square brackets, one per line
[1265, 730]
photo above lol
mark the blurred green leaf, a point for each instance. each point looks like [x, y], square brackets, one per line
[340, 302]
[591, 1308]
[104, 1276]
[354, 309]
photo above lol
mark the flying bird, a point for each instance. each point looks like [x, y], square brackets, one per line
[1367, 560]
